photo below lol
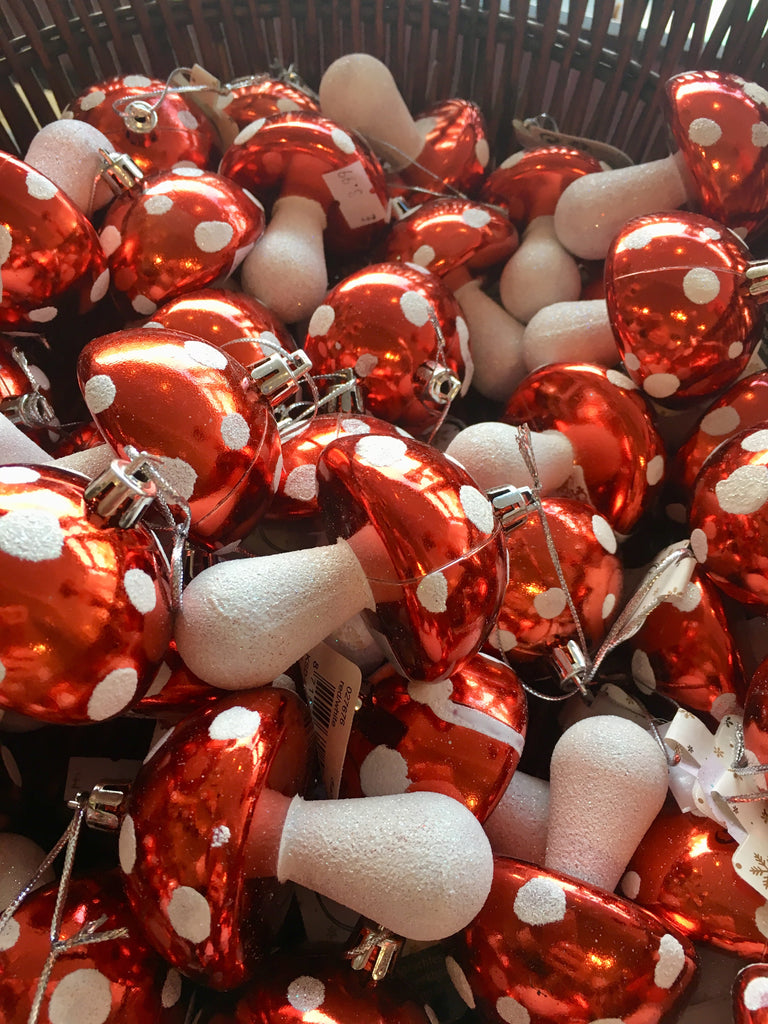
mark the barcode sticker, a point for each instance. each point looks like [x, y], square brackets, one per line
[352, 189]
[332, 684]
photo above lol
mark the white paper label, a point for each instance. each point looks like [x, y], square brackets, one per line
[332, 685]
[83, 773]
[351, 188]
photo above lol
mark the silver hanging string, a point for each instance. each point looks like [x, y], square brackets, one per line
[120, 104]
[441, 357]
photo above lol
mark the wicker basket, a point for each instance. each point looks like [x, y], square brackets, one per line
[595, 74]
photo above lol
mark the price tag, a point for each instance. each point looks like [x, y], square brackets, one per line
[351, 188]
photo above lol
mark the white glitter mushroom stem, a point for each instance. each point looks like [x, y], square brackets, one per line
[540, 272]
[608, 781]
[593, 208]
[16, 447]
[244, 622]
[67, 152]
[495, 340]
[491, 455]
[286, 268]
[570, 332]
[517, 827]
[418, 863]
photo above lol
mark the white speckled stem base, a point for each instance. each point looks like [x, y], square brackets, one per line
[90, 461]
[593, 209]
[518, 825]
[244, 622]
[608, 781]
[16, 447]
[496, 343]
[491, 455]
[540, 272]
[67, 152]
[418, 863]
[570, 332]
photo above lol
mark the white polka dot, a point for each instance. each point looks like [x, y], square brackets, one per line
[249, 131]
[639, 238]
[18, 475]
[99, 393]
[9, 936]
[237, 723]
[34, 535]
[93, 99]
[213, 235]
[9, 761]
[189, 914]
[424, 255]
[631, 361]
[476, 217]
[642, 671]
[110, 239]
[671, 961]
[432, 592]
[756, 93]
[701, 285]
[100, 287]
[83, 996]
[342, 141]
[136, 81]
[415, 307]
[277, 474]
[157, 205]
[144, 306]
[703, 131]
[689, 600]
[206, 355]
[661, 385]
[383, 772]
[113, 694]
[366, 364]
[503, 639]
[744, 491]
[301, 484]
[306, 993]
[235, 432]
[418, 267]
[735, 349]
[482, 152]
[352, 426]
[188, 119]
[620, 380]
[604, 535]
[185, 171]
[511, 1011]
[224, 101]
[609, 603]
[760, 134]
[511, 161]
[431, 1015]
[179, 475]
[43, 314]
[40, 187]
[540, 901]
[551, 603]
[477, 508]
[756, 441]
[654, 471]
[460, 983]
[6, 243]
[699, 545]
[381, 451]
[630, 884]
[756, 994]
[725, 704]
[321, 320]
[220, 836]
[171, 991]
[140, 588]
[721, 421]
[285, 105]
[126, 846]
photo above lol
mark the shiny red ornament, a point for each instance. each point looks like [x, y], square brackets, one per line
[159, 130]
[25, 393]
[181, 231]
[534, 617]
[685, 651]
[529, 183]
[462, 737]
[51, 262]
[208, 787]
[428, 542]
[232, 321]
[546, 947]
[679, 305]
[750, 995]
[84, 606]
[174, 691]
[743, 405]
[756, 714]
[114, 981]
[608, 422]
[729, 516]
[720, 125]
[400, 329]
[304, 155]
[247, 99]
[683, 873]
[296, 495]
[179, 398]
